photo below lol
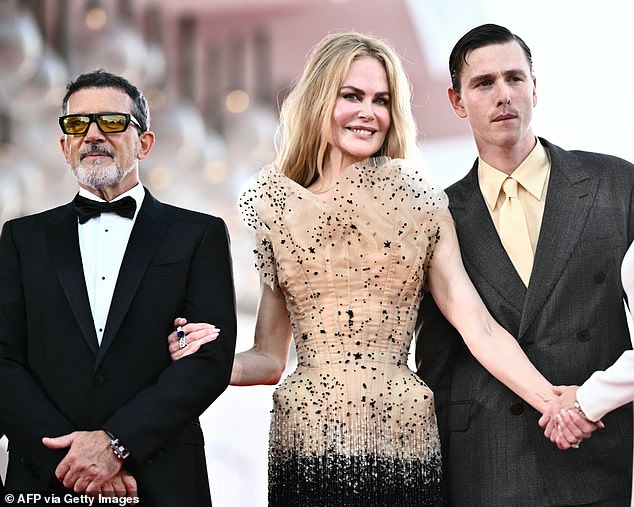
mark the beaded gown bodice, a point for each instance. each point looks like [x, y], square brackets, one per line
[351, 265]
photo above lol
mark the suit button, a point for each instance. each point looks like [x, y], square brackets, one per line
[517, 408]
[30, 466]
[98, 380]
[599, 277]
[583, 336]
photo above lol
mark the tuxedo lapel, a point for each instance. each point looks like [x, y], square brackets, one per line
[480, 244]
[63, 241]
[571, 192]
[146, 235]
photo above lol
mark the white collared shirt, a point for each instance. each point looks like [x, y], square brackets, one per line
[102, 243]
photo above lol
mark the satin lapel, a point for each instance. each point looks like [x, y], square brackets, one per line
[146, 235]
[571, 192]
[63, 241]
[483, 253]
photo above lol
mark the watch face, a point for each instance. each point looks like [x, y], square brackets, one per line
[119, 449]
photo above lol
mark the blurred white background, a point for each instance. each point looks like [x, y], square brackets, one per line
[215, 70]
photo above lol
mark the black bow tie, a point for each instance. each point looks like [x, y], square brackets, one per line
[87, 208]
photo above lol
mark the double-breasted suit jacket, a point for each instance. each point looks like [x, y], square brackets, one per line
[570, 321]
[54, 376]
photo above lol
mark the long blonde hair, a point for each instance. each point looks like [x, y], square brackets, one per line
[306, 113]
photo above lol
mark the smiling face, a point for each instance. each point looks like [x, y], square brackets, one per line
[361, 117]
[497, 96]
[104, 164]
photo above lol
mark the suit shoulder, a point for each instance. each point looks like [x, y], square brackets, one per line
[185, 213]
[456, 186]
[188, 215]
[602, 162]
[49, 215]
[465, 184]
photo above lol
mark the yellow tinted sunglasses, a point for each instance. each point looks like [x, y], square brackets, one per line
[108, 123]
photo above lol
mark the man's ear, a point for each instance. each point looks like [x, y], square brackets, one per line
[65, 148]
[455, 100]
[146, 141]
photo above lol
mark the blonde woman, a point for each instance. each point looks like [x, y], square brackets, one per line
[348, 232]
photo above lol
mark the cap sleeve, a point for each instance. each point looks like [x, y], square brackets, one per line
[411, 184]
[261, 200]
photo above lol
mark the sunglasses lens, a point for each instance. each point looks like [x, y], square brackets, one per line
[112, 122]
[75, 124]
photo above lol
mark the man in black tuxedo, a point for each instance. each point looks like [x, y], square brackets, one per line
[89, 397]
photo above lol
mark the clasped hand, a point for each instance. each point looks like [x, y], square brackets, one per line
[90, 466]
[565, 425]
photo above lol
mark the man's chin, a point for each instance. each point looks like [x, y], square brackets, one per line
[96, 183]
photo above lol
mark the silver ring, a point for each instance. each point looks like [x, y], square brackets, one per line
[576, 446]
[182, 340]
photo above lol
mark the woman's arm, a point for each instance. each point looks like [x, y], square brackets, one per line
[489, 342]
[265, 362]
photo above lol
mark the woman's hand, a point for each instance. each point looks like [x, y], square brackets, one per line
[188, 338]
[570, 426]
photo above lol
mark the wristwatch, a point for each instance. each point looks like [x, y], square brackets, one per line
[119, 450]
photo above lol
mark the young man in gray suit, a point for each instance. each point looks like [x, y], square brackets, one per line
[560, 294]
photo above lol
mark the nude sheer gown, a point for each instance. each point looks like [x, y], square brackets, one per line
[352, 425]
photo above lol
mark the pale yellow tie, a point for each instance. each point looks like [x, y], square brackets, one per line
[514, 231]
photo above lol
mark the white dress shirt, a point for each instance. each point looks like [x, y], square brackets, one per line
[102, 243]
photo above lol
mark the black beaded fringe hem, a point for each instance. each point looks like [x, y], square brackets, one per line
[354, 481]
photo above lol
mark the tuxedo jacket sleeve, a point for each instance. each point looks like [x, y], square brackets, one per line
[570, 322]
[55, 378]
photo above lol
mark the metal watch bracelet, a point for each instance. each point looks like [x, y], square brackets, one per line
[580, 410]
[119, 450]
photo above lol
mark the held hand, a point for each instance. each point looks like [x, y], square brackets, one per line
[122, 484]
[188, 338]
[559, 401]
[89, 463]
[553, 406]
[549, 425]
[569, 427]
[573, 428]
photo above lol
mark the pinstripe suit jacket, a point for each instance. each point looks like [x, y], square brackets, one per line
[570, 322]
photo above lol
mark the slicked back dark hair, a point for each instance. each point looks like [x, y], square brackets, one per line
[102, 79]
[478, 37]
